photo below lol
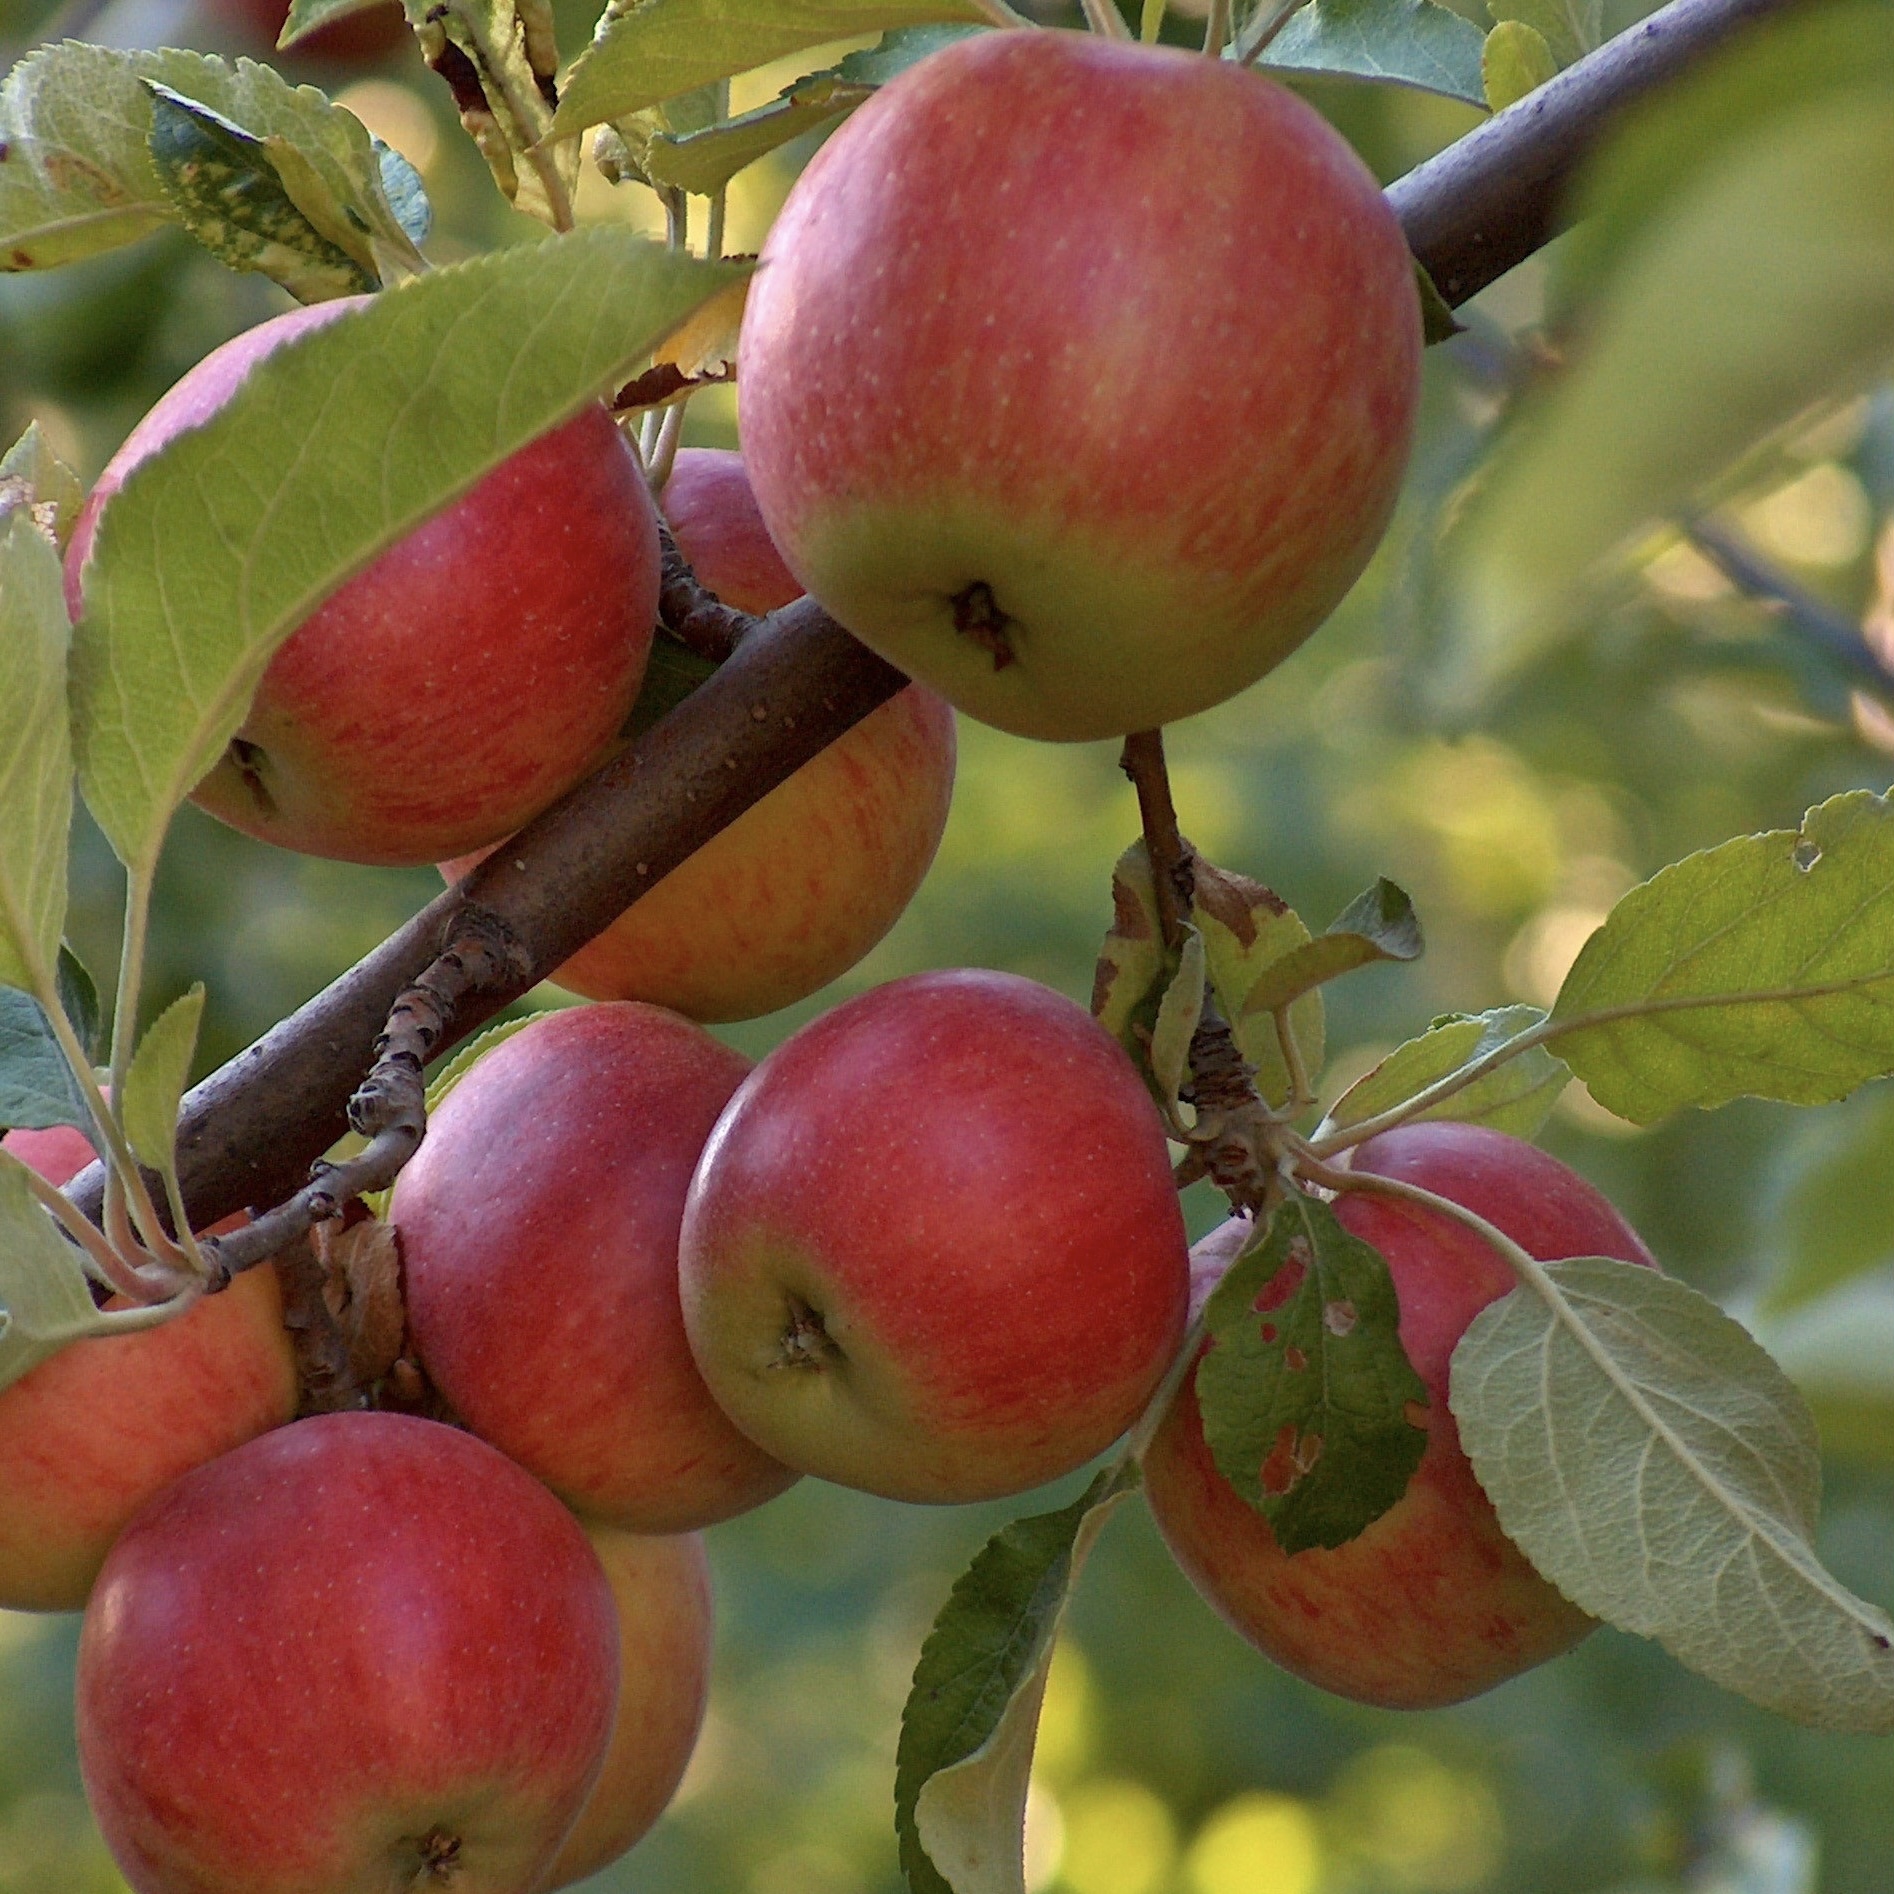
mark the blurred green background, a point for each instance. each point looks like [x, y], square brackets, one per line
[1675, 714]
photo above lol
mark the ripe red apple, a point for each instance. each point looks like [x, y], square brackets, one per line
[806, 881]
[467, 677]
[1079, 376]
[539, 1227]
[662, 1590]
[1432, 1603]
[89, 1436]
[355, 39]
[933, 1248]
[360, 1653]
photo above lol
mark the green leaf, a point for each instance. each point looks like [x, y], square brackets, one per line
[671, 673]
[1305, 1388]
[37, 1087]
[1516, 1097]
[1392, 42]
[35, 753]
[647, 51]
[1379, 924]
[310, 16]
[1570, 28]
[155, 1084]
[1828, 1213]
[1178, 1015]
[1129, 978]
[79, 176]
[78, 999]
[32, 473]
[1514, 61]
[967, 1732]
[1438, 322]
[475, 1049]
[1664, 1474]
[336, 446]
[228, 195]
[1763, 968]
[1730, 265]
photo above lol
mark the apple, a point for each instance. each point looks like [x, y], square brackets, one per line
[933, 1249]
[361, 1653]
[465, 678]
[662, 1589]
[90, 1435]
[539, 1228]
[1432, 1603]
[355, 39]
[1079, 378]
[806, 881]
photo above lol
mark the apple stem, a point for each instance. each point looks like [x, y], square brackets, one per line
[690, 611]
[1103, 17]
[1216, 29]
[1260, 39]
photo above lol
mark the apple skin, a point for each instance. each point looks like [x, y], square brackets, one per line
[662, 1589]
[90, 1435]
[796, 890]
[1432, 1603]
[1126, 336]
[465, 678]
[539, 1229]
[933, 1249]
[365, 38]
[313, 1665]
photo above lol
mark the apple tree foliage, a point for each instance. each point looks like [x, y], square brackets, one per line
[1646, 1453]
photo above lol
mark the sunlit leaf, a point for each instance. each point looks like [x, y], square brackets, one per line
[1764, 968]
[155, 1083]
[1570, 28]
[1379, 924]
[334, 447]
[1178, 1015]
[967, 1732]
[1515, 61]
[1664, 1474]
[1392, 42]
[31, 473]
[1305, 1390]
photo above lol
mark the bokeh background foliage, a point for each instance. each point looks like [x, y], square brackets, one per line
[1663, 709]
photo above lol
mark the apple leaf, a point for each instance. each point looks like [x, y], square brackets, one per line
[1570, 28]
[1129, 976]
[1828, 1213]
[35, 752]
[1729, 266]
[334, 447]
[967, 1733]
[466, 1057]
[1514, 61]
[31, 473]
[78, 999]
[647, 51]
[1179, 1014]
[1379, 924]
[1304, 1387]
[1660, 1470]
[1763, 967]
[1438, 322]
[80, 177]
[309, 16]
[1391, 42]
[229, 196]
[1515, 1097]
[37, 1087]
[154, 1086]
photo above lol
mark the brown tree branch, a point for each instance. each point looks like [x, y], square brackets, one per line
[251, 1130]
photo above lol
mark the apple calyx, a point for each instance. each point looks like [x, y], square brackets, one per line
[977, 615]
[806, 1342]
[439, 1852]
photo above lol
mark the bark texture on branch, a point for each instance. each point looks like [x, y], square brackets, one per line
[251, 1130]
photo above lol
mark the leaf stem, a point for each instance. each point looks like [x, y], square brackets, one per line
[1216, 29]
[105, 1262]
[1260, 40]
[1104, 19]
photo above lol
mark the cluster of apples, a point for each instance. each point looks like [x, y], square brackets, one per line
[1081, 463]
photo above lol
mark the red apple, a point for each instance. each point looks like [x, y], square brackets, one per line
[355, 39]
[806, 881]
[539, 1226]
[89, 1436]
[662, 1589]
[361, 1653]
[933, 1248]
[468, 676]
[1078, 378]
[1432, 1603]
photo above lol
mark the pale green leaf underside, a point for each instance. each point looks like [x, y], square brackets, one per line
[1664, 1474]
[334, 447]
[37, 1087]
[1392, 42]
[651, 50]
[1790, 934]
[155, 1083]
[45, 1301]
[35, 754]
[1828, 1211]
[79, 177]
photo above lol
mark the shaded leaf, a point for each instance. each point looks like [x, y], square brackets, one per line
[1516, 1097]
[1839, 1351]
[79, 998]
[1515, 61]
[1438, 322]
[1379, 924]
[1128, 980]
[154, 1085]
[1828, 1212]
[334, 447]
[1178, 1015]
[37, 1087]
[1764, 967]
[310, 16]
[35, 753]
[1393, 42]
[1305, 1388]
[967, 1731]
[1664, 1474]
[34, 475]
